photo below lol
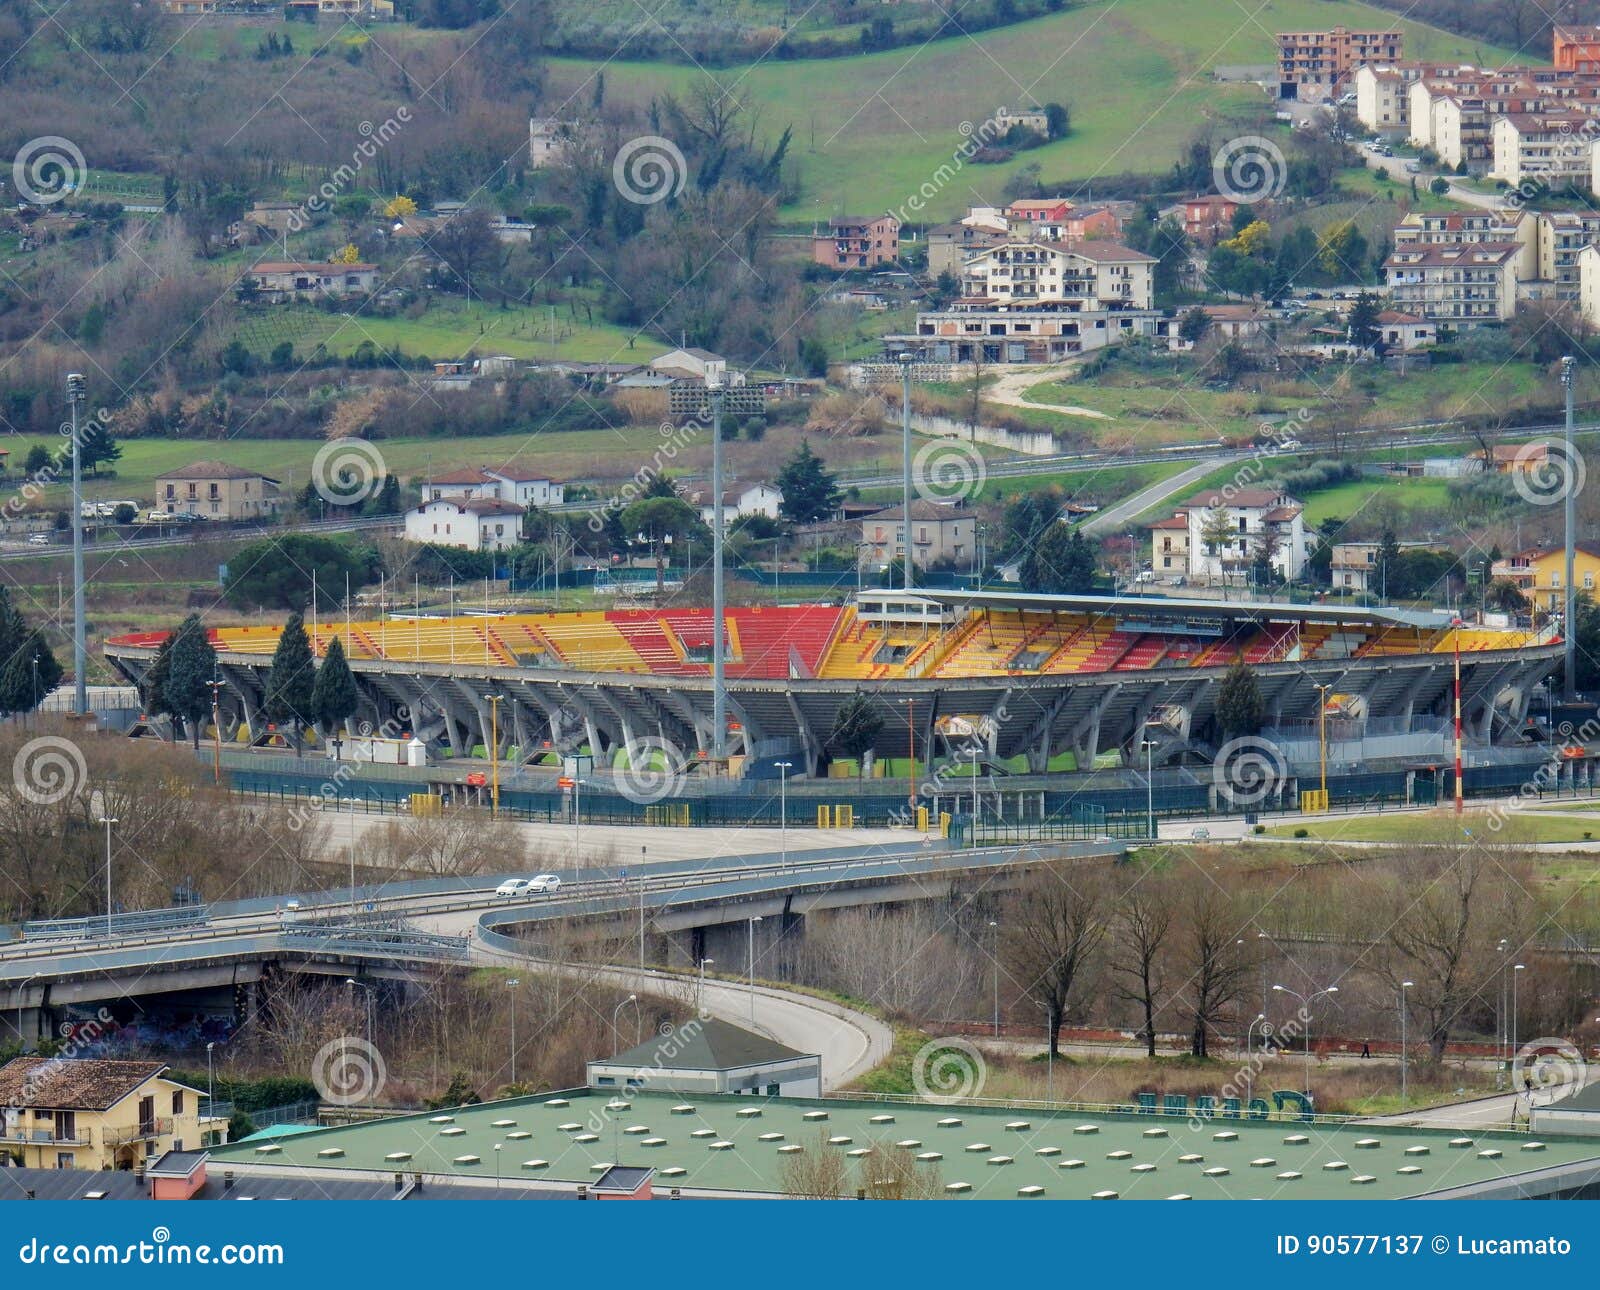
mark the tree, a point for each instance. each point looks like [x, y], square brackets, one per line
[399, 207]
[1386, 566]
[1342, 248]
[191, 666]
[1240, 707]
[279, 573]
[660, 520]
[1440, 187]
[1140, 926]
[1058, 120]
[469, 247]
[809, 489]
[38, 459]
[1192, 324]
[96, 445]
[1364, 333]
[1217, 532]
[1051, 934]
[333, 695]
[1503, 596]
[856, 730]
[292, 679]
[1061, 563]
[30, 673]
[1210, 958]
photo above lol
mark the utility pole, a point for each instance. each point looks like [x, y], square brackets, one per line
[1569, 599]
[905, 453]
[75, 389]
[719, 692]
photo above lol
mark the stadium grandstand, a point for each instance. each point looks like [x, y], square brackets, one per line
[1027, 675]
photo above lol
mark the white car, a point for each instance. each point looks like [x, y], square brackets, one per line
[528, 886]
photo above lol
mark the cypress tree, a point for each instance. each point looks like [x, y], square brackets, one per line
[191, 666]
[292, 679]
[333, 695]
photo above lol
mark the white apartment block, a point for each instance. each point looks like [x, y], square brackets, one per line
[1257, 519]
[1456, 285]
[1562, 236]
[1470, 228]
[1550, 148]
[473, 523]
[1082, 275]
[1589, 285]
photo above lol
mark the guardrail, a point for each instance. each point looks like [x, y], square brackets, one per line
[129, 924]
[357, 940]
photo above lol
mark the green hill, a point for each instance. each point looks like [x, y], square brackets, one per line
[869, 131]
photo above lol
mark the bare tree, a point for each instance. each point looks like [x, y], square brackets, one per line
[817, 1171]
[893, 1172]
[1212, 960]
[1140, 928]
[1051, 933]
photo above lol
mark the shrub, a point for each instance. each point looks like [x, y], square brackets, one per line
[1302, 833]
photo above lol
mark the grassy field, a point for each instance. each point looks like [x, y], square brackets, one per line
[1437, 826]
[870, 131]
[1347, 500]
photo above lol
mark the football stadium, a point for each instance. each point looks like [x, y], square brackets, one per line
[985, 675]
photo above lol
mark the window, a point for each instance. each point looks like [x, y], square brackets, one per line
[63, 1160]
[772, 1090]
[1588, 582]
[177, 1101]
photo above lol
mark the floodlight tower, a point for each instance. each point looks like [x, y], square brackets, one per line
[75, 389]
[719, 689]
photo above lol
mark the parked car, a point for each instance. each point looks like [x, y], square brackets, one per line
[1413, 167]
[1200, 835]
[39, 539]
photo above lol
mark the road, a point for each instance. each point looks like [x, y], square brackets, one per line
[1395, 167]
[190, 534]
[1113, 517]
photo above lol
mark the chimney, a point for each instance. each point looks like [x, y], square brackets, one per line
[138, 1176]
[583, 1192]
[227, 1180]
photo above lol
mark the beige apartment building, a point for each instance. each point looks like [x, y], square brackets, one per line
[1456, 285]
[1551, 148]
[1312, 65]
[1562, 236]
[937, 533]
[89, 1113]
[1086, 275]
[1472, 228]
[215, 490]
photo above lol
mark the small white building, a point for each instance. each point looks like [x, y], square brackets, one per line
[1257, 519]
[548, 139]
[515, 484]
[472, 523]
[711, 1056]
[696, 364]
[755, 499]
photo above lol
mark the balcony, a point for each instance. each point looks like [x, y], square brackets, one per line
[159, 1127]
[40, 1137]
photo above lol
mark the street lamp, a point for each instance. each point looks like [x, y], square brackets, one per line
[494, 701]
[211, 1089]
[1149, 747]
[1515, 968]
[616, 1044]
[1322, 737]
[512, 984]
[108, 821]
[1250, 1031]
[22, 995]
[497, 1147]
[784, 767]
[367, 991]
[750, 966]
[994, 927]
[1305, 1004]
[1404, 986]
[700, 989]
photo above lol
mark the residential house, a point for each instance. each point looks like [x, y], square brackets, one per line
[937, 533]
[1562, 237]
[548, 139]
[949, 245]
[1087, 275]
[1169, 546]
[1459, 285]
[264, 222]
[1353, 566]
[515, 484]
[1551, 148]
[1531, 458]
[1313, 65]
[1038, 210]
[752, 499]
[1541, 573]
[857, 242]
[1258, 520]
[1209, 220]
[218, 491]
[1575, 49]
[473, 523]
[1589, 285]
[1029, 118]
[696, 365]
[1238, 321]
[91, 1113]
[280, 280]
[1405, 332]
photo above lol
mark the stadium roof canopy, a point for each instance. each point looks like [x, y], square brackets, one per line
[1174, 606]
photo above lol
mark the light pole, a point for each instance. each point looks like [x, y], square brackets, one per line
[750, 966]
[1515, 968]
[497, 1166]
[616, 1044]
[1404, 1090]
[700, 989]
[215, 686]
[494, 701]
[1250, 1032]
[512, 985]
[905, 450]
[994, 928]
[108, 821]
[784, 767]
[1149, 787]
[366, 990]
[1568, 640]
[75, 396]
[643, 851]
[1305, 1005]
[719, 687]
[22, 995]
[1322, 737]
[211, 1083]
[1455, 634]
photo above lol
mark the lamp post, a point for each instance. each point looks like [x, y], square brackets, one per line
[211, 1083]
[108, 821]
[512, 985]
[75, 398]
[1515, 968]
[1149, 747]
[994, 928]
[904, 360]
[1404, 1090]
[750, 966]
[784, 767]
[700, 989]
[34, 661]
[1568, 640]
[494, 701]
[1250, 1032]
[366, 991]
[22, 995]
[497, 1147]
[1322, 738]
[215, 686]
[1305, 1004]
[643, 852]
[616, 1044]
[1455, 633]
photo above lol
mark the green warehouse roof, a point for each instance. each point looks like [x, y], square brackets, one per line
[738, 1144]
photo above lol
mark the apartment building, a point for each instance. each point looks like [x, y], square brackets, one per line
[515, 484]
[91, 1113]
[472, 523]
[937, 533]
[215, 490]
[1550, 148]
[1540, 573]
[1472, 228]
[1383, 92]
[857, 242]
[1456, 285]
[950, 245]
[1169, 546]
[1589, 285]
[1575, 49]
[1083, 275]
[1258, 520]
[1562, 237]
[1312, 65]
[1207, 220]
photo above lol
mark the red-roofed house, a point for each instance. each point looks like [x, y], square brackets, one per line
[279, 280]
[1259, 522]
